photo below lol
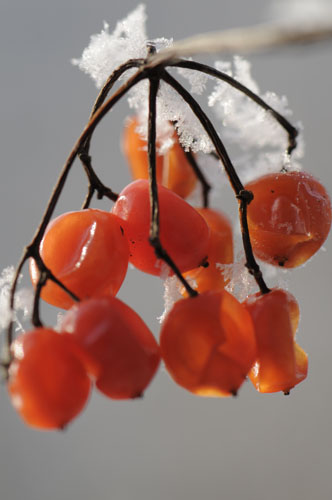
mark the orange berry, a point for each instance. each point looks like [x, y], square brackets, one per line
[173, 168]
[280, 363]
[87, 251]
[116, 347]
[208, 343]
[48, 384]
[183, 231]
[220, 251]
[289, 218]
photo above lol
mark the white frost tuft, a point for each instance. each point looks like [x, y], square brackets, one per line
[23, 301]
[107, 51]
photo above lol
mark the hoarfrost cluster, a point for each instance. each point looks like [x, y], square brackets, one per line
[23, 301]
[238, 119]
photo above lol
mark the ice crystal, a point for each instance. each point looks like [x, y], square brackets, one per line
[262, 140]
[129, 40]
[172, 293]
[107, 51]
[23, 301]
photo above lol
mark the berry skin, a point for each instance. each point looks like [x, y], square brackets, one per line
[116, 347]
[220, 251]
[47, 383]
[208, 344]
[280, 363]
[87, 251]
[183, 231]
[173, 169]
[289, 218]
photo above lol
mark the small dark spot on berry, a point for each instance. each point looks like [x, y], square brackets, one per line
[122, 231]
[272, 190]
[139, 395]
[205, 263]
[281, 260]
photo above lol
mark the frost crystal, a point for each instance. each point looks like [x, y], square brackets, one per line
[23, 300]
[253, 129]
[172, 293]
[107, 51]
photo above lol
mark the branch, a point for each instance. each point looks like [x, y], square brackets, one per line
[258, 38]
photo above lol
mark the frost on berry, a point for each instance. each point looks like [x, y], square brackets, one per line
[172, 293]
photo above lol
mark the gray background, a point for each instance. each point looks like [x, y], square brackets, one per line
[170, 445]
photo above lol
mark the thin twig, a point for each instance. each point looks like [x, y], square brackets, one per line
[154, 239]
[244, 197]
[285, 124]
[258, 38]
[32, 250]
[206, 187]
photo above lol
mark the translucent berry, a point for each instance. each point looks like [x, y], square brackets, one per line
[220, 251]
[48, 384]
[87, 251]
[208, 343]
[183, 231]
[289, 218]
[280, 363]
[173, 169]
[116, 346]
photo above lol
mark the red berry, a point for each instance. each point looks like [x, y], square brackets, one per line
[87, 251]
[173, 169]
[208, 343]
[48, 384]
[289, 218]
[220, 251]
[183, 231]
[116, 346]
[280, 363]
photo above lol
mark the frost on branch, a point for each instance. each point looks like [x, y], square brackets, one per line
[250, 127]
[23, 301]
[241, 121]
[107, 51]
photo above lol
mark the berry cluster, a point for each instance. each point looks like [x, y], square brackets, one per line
[210, 342]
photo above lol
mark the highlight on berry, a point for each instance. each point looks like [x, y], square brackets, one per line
[223, 323]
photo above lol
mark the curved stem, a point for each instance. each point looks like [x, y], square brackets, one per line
[203, 68]
[154, 239]
[209, 128]
[32, 250]
[95, 183]
[117, 73]
[244, 197]
[88, 131]
[206, 187]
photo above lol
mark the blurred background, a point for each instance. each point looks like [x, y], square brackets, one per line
[170, 444]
